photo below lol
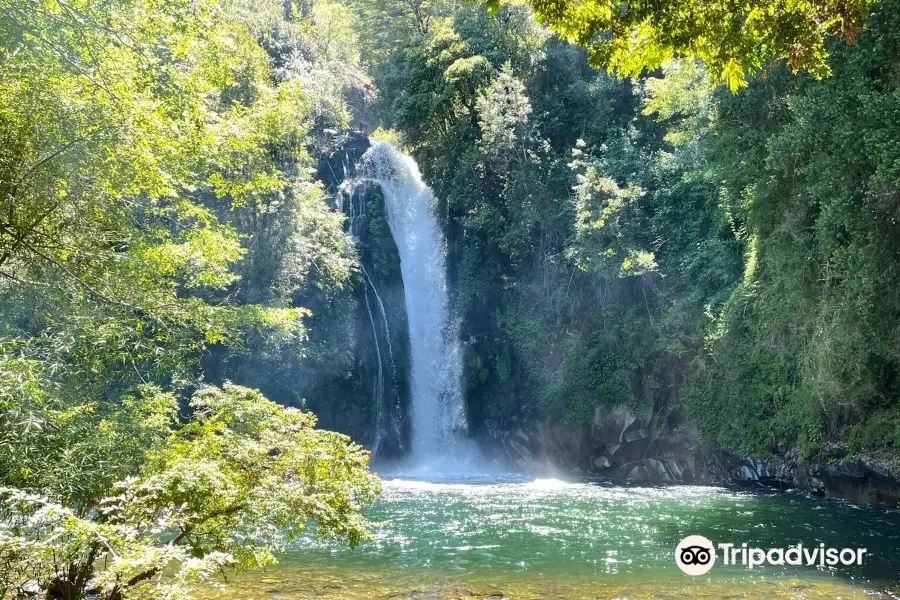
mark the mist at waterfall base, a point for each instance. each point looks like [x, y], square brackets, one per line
[440, 448]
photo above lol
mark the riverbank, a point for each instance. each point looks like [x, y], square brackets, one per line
[619, 444]
[293, 582]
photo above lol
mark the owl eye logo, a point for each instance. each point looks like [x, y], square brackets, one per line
[695, 555]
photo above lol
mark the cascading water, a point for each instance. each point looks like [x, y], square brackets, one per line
[437, 408]
[378, 384]
[386, 401]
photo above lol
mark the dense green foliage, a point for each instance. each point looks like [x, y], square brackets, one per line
[808, 341]
[156, 210]
[720, 261]
[227, 489]
[734, 39]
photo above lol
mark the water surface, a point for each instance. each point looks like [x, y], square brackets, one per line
[551, 539]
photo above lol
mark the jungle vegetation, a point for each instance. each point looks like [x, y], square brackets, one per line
[155, 202]
[699, 222]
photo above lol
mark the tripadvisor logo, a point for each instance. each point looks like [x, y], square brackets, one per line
[696, 555]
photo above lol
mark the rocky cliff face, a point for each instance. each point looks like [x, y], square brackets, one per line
[861, 480]
[619, 444]
[616, 444]
[382, 346]
[353, 373]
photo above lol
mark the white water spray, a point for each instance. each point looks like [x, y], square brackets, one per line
[438, 411]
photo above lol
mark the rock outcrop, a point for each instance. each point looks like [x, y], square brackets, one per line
[860, 480]
[616, 444]
[619, 444]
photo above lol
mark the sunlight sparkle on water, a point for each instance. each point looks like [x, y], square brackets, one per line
[549, 538]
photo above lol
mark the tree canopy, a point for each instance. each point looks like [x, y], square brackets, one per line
[736, 40]
[156, 205]
[231, 486]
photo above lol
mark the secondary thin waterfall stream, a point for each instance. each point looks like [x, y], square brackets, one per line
[437, 408]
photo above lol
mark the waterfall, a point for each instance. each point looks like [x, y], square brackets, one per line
[380, 425]
[378, 384]
[437, 409]
[353, 205]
